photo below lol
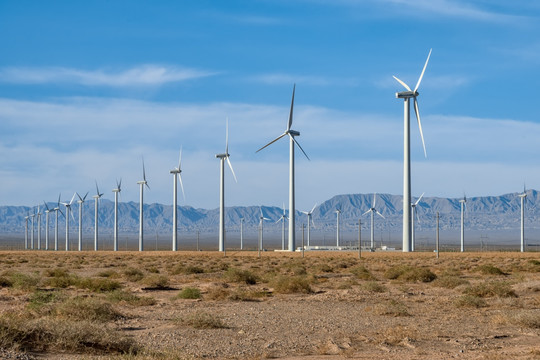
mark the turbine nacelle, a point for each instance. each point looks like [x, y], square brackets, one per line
[293, 133]
[407, 94]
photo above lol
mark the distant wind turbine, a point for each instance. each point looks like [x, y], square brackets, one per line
[463, 203]
[68, 212]
[39, 228]
[115, 230]
[241, 233]
[177, 173]
[47, 211]
[222, 158]
[262, 219]
[142, 183]
[26, 231]
[80, 202]
[407, 95]
[523, 198]
[414, 212]
[309, 219]
[56, 210]
[96, 216]
[32, 216]
[292, 141]
[338, 213]
[373, 210]
[282, 218]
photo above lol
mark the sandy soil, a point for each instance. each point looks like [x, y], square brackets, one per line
[344, 315]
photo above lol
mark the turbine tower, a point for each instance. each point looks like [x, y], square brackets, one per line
[309, 219]
[372, 210]
[292, 141]
[26, 231]
[142, 183]
[222, 158]
[32, 233]
[96, 216]
[115, 230]
[414, 212]
[80, 202]
[261, 221]
[523, 198]
[407, 95]
[68, 211]
[47, 211]
[241, 233]
[282, 218]
[56, 210]
[177, 177]
[462, 203]
[39, 228]
[338, 213]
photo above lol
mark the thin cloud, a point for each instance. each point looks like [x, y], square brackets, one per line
[144, 75]
[281, 78]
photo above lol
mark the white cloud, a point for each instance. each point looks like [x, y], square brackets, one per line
[281, 78]
[145, 75]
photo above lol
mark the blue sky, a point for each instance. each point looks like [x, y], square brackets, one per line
[87, 88]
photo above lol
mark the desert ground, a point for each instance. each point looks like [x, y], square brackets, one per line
[326, 305]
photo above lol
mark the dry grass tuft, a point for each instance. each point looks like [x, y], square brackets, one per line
[374, 286]
[291, 284]
[525, 318]
[124, 297]
[391, 308]
[449, 281]
[202, 320]
[410, 274]
[490, 289]
[189, 293]
[470, 301]
[360, 272]
[240, 276]
[156, 282]
[488, 269]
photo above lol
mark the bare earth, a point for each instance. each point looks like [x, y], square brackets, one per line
[351, 308]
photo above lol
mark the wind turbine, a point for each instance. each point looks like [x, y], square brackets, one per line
[222, 158]
[262, 219]
[414, 212]
[80, 202]
[96, 216]
[39, 228]
[142, 183]
[115, 230]
[292, 141]
[26, 231]
[241, 233]
[177, 178]
[407, 95]
[463, 203]
[282, 218]
[32, 233]
[372, 210]
[523, 198]
[56, 210]
[309, 219]
[46, 225]
[68, 212]
[338, 213]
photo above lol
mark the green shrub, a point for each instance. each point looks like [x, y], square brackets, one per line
[98, 284]
[108, 274]
[119, 296]
[189, 293]
[40, 298]
[449, 282]
[362, 273]
[410, 273]
[133, 275]
[490, 289]
[193, 270]
[241, 276]
[87, 308]
[488, 269]
[21, 281]
[291, 284]
[56, 272]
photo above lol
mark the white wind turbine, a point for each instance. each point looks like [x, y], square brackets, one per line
[222, 158]
[80, 202]
[373, 210]
[338, 213]
[142, 183]
[463, 203]
[177, 174]
[32, 216]
[262, 218]
[309, 219]
[47, 211]
[414, 212]
[96, 216]
[407, 95]
[39, 228]
[523, 198]
[115, 230]
[26, 231]
[241, 233]
[56, 210]
[68, 212]
[282, 218]
[292, 141]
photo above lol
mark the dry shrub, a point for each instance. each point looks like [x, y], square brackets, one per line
[217, 293]
[410, 274]
[374, 286]
[362, 273]
[490, 289]
[40, 298]
[61, 335]
[240, 276]
[291, 284]
[133, 275]
[247, 295]
[449, 282]
[202, 320]
[98, 284]
[120, 296]
[525, 318]
[108, 274]
[391, 308]
[86, 308]
[189, 293]
[488, 269]
[155, 281]
[470, 301]
[20, 281]
[397, 335]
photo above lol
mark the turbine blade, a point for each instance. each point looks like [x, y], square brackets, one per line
[374, 200]
[366, 212]
[79, 196]
[313, 222]
[378, 213]
[314, 206]
[62, 212]
[289, 124]
[59, 199]
[227, 135]
[402, 83]
[180, 159]
[420, 198]
[297, 143]
[97, 188]
[273, 141]
[181, 186]
[46, 205]
[230, 166]
[84, 198]
[73, 198]
[143, 170]
[419, 125]
[423, 70]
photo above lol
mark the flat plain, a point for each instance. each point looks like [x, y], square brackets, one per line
[327, 305]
